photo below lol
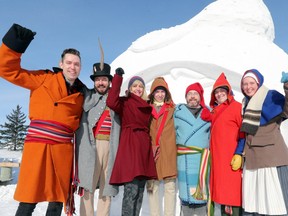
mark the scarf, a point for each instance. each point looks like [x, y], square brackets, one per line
[261, 109]
[252, 114]
[156, 115]
[157, 104]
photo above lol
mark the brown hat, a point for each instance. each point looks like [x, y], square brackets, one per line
[160, 82]
[97, 71]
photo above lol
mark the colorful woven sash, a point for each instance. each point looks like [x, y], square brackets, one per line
[49, 132]
[201, 192]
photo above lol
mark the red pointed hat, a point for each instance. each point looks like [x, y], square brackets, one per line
[221, 82]
[197, 87]
[205, 115]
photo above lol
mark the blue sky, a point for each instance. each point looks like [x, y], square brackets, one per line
[73, 23]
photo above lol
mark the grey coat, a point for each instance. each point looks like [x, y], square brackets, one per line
[93, 107]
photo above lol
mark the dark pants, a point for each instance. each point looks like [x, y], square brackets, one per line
[26, 209]
[237, 211]
[133, 197]
[250, 214]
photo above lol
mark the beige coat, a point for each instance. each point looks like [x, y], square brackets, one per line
[166, 163]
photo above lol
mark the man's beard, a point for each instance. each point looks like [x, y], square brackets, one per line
[102, 92]
[193, 103]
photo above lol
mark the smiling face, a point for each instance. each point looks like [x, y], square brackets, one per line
[193, 99]
[249, 86]
[101, 84]
[137, 88]
[159, 95]
[71, 65]
[221, 95]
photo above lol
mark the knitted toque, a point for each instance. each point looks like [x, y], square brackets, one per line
[133, 79]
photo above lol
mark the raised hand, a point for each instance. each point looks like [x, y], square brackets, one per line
[119, 71]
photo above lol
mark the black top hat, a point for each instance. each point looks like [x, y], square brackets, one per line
[97, 72]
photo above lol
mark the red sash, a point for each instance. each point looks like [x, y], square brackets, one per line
[100, 121]
[49, 132]
[156, 149]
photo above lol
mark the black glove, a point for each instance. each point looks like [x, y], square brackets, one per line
[119, 71]
[18, 38]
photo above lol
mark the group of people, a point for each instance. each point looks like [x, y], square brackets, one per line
[228, 153]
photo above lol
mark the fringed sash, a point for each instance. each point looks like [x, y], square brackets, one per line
[201, 192]
[50, 132]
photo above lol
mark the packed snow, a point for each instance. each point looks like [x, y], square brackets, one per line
[226, 36]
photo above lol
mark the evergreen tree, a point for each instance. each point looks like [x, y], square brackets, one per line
[13, 132]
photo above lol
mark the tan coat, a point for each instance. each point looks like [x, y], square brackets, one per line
[45, 170]
[267, 147]
[166, 163]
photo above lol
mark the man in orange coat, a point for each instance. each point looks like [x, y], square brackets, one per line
[55, 110]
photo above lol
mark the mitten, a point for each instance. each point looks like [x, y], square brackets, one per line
[236, 162]
[119, 71]
[284, 77]
[18, 38]
[206, 114]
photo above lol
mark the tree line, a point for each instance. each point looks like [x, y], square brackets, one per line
[13, 132]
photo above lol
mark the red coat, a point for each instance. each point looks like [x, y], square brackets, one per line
[134, 157]
[45, 170]
[225, 184]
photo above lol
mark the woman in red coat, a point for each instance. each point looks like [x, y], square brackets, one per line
[225, 183]
[134, 163]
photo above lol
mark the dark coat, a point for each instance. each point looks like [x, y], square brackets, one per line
[134, 158]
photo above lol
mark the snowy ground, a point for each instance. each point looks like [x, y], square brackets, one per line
[8, 205]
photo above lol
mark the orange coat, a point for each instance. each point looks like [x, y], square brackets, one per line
[45, 170]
